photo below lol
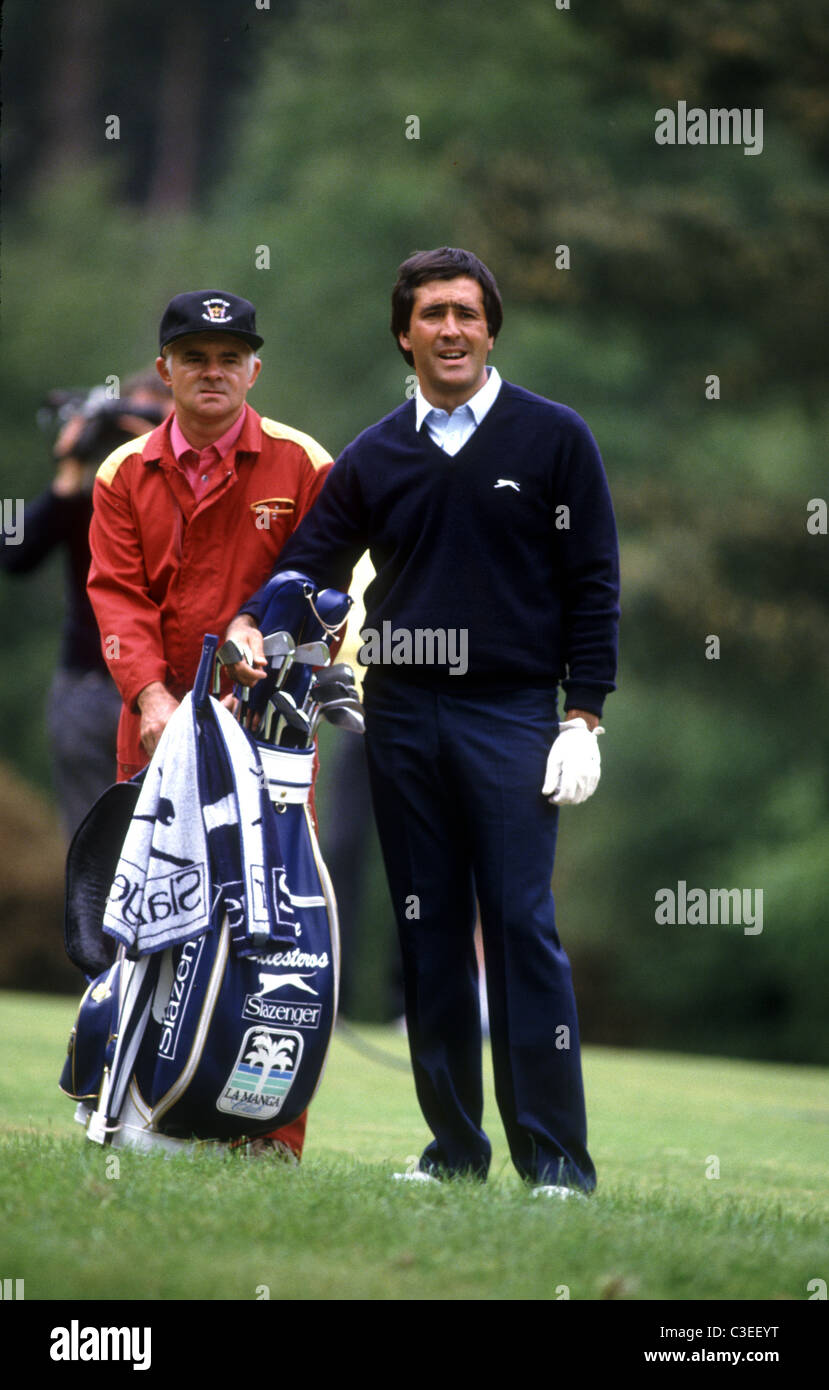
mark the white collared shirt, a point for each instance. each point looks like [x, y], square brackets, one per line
[451, 430]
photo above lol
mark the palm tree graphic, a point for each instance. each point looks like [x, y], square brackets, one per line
[267, 1053]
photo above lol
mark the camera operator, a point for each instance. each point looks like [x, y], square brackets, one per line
[84, 704]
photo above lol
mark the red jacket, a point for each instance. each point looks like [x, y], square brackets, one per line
[167, 569]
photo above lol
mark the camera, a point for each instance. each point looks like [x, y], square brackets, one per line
[102, 431]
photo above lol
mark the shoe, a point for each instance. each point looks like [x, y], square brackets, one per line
[548, 1190]
[417, 1176]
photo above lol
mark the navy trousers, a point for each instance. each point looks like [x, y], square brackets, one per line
[456, 784]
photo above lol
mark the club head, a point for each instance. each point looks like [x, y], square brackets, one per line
[344, 718]
[230, 653]
[342, 702]
[286, 706]
[279, 644]
[344, 710]
[313, 654]
[333, 690]
[340, 671]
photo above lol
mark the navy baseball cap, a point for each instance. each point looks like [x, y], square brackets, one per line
[209, 311]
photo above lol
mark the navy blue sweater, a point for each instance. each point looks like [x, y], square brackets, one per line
[512, 539]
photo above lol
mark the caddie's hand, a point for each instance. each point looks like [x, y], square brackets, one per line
[253, 666]
[157, 706]
[573, 764]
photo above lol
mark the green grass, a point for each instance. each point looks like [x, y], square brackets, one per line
[217, 1226]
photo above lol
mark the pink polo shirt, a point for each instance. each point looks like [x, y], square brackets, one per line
[197, 465]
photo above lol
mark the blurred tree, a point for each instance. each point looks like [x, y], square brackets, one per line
[69, 92]
[169, 70]
[180, 106]
[534, 131]
[731, 243]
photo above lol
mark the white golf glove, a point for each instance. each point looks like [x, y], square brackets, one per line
[573, 764]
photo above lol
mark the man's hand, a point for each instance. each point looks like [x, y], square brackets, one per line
[244, 632]
[157, 706]
[573, 764]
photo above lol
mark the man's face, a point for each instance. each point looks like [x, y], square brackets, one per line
[449, 340]
[210, 375]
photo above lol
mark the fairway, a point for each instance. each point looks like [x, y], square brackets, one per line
[711, 1186]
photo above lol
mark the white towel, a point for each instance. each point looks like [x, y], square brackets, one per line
[161, 891]
[182, 856]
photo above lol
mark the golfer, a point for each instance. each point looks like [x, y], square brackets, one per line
[488, 518]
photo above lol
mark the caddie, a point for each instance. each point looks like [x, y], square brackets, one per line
[489, 522]
[189, 518]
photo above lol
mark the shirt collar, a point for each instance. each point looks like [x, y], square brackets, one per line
[478, 404]
[222, 445]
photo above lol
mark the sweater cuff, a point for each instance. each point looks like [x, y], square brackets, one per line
[254, 605]
[251, 609]
[585, 697]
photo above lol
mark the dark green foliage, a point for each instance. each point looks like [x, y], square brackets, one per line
[536, 132]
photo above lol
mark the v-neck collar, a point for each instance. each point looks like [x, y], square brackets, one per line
[424, 436]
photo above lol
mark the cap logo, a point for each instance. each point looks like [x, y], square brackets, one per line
[215, 310]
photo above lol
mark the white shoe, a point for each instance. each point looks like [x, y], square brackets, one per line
[548, 1190]
[417, 1176]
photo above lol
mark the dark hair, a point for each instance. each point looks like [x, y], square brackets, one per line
[445, 263]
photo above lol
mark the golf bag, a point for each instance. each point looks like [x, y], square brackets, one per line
[222, 1033]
